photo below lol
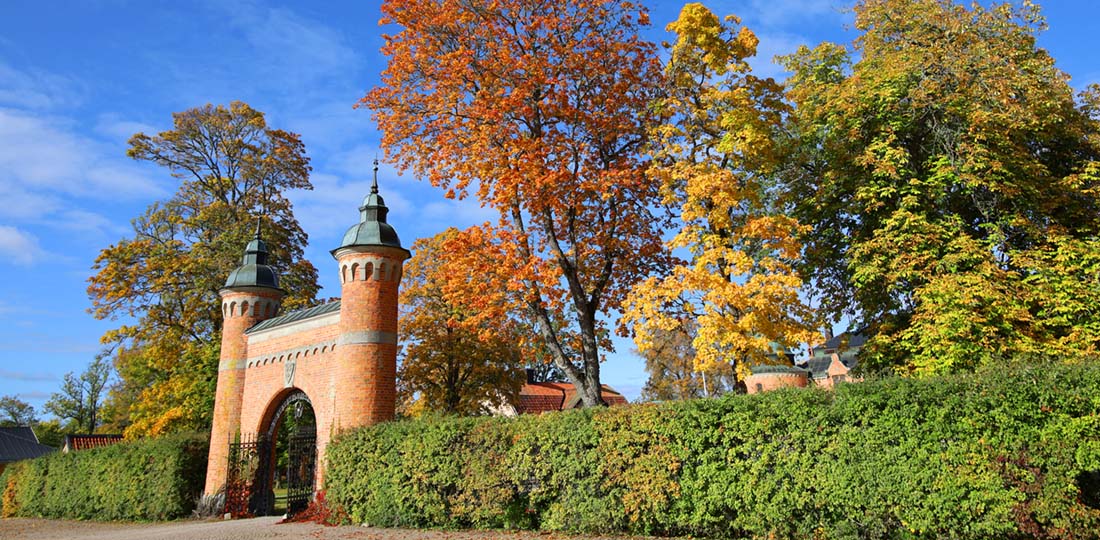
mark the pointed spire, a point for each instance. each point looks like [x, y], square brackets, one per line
[374, 185]
[258, 228]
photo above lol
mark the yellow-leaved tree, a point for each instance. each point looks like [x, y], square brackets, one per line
[717, 156]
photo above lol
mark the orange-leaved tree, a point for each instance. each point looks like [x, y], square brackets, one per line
[540, 109]
[454, 361]
[717, 156]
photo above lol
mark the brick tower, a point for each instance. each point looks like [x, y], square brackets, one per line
[250, 295]
[369, 260]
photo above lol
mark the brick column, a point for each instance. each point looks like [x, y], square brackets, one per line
[242, 307]
[366, 351]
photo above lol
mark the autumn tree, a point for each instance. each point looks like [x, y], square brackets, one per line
[16, 412]
[539, 109]
[452, 361]
[670, 363]
[948, 177]
[718, 157]
[80, 398]
[232, 170]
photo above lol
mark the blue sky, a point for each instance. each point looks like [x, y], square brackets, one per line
[77, 79]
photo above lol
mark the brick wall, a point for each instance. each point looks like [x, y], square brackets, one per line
[764, 382]
[345, 364]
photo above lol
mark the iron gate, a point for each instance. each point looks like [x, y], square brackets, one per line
[248, 482]
[300, 472]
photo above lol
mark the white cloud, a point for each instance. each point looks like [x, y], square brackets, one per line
[26, 376]
[358, 161]
[22, 205]
[42, 157]
[291, 51]
[333, 205]
[84, 222]
[36, 89]
[112, 126]
[18, 247]
[296, 48]
[328, 125]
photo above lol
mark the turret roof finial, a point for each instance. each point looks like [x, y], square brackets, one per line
[374, 186]
[254, 270]
[372, 229]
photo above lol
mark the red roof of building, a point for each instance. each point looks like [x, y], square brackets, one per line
[87, 442]
[536, 398]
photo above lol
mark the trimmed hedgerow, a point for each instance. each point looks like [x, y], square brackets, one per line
[151, 479]
[1006, 454]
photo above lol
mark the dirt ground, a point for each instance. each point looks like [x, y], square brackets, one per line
[241, 529]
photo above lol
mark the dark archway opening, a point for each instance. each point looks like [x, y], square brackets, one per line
[292, 436]
[273, 472]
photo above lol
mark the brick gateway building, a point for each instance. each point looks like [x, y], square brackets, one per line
[338, 359]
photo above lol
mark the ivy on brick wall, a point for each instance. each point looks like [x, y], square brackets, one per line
[1002, 453]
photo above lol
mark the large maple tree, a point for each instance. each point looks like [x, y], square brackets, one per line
[539, 109]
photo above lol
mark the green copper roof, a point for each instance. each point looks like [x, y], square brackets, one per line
[254, 271]
[372, 229]
[764, 368]
[298, 315]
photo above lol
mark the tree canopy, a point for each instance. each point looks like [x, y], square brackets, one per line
[80, 399]
[452, 361]
[948, 178]
[540, 110]
[718, 156]
[673, 374]
[231, 169]
[16, 412]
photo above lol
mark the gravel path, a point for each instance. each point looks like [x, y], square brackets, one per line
[240, 529]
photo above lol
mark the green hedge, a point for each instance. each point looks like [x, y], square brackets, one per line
[151, 479]
[1008, 454]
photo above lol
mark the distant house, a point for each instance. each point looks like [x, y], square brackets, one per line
[832, 361]
[540, 397]
[767, 377]
[829, 363]
[74, 443]
[19, 443]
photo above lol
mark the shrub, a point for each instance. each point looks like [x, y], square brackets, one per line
[145, 480]
[1013, 453]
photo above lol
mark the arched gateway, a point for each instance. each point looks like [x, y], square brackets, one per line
[336, 361]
